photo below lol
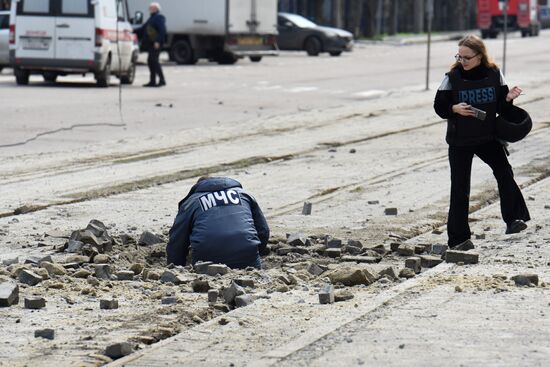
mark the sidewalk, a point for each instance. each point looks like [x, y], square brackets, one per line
[420, 38]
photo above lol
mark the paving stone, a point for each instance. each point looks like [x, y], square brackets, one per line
[53, 269]
[394, 246]
[355, 243]
[351, 276]
[306, 210]
[78, 259]
[525, 279]
[231, 292]
[414, 263]
[326, 294]
[125, 275]
[333, 252]
[102, 259]
[10, 261]
[452, 256]
[97, 228]
[407, 273]
[137, 268]
[170, 277]
[213, 296]
[92, 281]
[421, 248]
[148, 239]
[103, 271]
[334, 243]
[296, 239]
[9, 294]
[153, 275]
[200, 286]
[243, 300]
[118, 350]
[480, 236]
[406, 250]
[245, 282]
[439, 249]
[390, 211]
[388, 272]
[82, 274]
[201, 267]
[343, 295]
[429, 261]
[35, 303]
[45, 333]
[437, 231]
[315, 269]
[74, 246]
[362, 259]
[283, 251]
[108, 304]
[29, 277]
[169, 300]
[284, 279]
[373, 202]
[352, 250]
[216, 269]
[37, 260]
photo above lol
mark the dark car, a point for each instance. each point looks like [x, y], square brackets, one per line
[298, 33]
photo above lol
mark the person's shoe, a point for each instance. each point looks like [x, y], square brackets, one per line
[464, 246]
[162, 83]
[150, 85]
[516, 226]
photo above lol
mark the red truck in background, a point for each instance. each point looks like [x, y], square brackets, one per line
[523, 15]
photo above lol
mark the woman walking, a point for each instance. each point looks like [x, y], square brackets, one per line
[471, 95]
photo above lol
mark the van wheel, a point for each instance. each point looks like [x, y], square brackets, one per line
[313, 46]
[21, 76]
[255, 58]
[182, 53]
[50, 77]
[130, 75]
[227, 58]
[103, 78]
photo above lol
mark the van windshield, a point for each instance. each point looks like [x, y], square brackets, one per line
[56, 8]
[74, 7]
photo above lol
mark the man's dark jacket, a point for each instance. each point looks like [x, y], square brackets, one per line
[221, 223]
[154, 30]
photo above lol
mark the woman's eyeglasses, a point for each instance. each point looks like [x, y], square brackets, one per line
[459, 58]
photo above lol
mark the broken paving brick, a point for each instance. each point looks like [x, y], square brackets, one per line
[118, 350]
[45, 333]
[334, 243]
[218, 269]
[414, 263]
[343, 295]
[201, 267]
[407, 273]
[243, 300]
[30, 278]
[108, 304]
[405, 250]
[35, 303]
[333, 252]
[362, 259]
[245, 282]
[125, 275]
[213, 295]
[390, 211]
[453, 256]
[9, 294]
[231, 292]
[525, 279]
[103, 271]
[149, 239]
[296, 239]
[306, 210]
[200, 286]
[326, 294]
[439, 249]
[430, 261]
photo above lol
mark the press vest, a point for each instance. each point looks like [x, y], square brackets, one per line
[482, 94]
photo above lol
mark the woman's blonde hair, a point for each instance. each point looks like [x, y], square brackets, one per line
[477, 45]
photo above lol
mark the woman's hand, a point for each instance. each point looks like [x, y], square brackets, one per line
[463, 109]
[513, 93]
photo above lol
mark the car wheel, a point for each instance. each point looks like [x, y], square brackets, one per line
[22, 76]
[1, 68]
[50, 77]
[227, 58]
[182, 53]
[313, 46]
[255, 58]
[130, 75]
[335, 53]
[103, 78]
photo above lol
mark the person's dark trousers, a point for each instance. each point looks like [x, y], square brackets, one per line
[512, 204]
[154, 67]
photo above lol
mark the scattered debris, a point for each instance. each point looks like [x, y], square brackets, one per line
[35, 303]
[108, 304]
[306, 210]
[118, 350]
[9, 294]
[45, 333]
[526, 279]
[326, 294]
[453, 256]
[390, 211]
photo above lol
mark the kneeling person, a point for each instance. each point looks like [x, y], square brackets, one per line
[221, 222]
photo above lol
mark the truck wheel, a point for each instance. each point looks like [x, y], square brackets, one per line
[484, 33]
[182, 53]
[21, 76]
[104, 76]
[255, 58]
[227, 58]
[130, 75]
[50, 77]
[313, 46]
[524, 33]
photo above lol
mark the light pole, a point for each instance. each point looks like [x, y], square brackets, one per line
[430, 11]
[505, 11]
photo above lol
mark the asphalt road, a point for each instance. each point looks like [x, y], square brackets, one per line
[43, 117]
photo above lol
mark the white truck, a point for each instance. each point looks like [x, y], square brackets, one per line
[218, 30]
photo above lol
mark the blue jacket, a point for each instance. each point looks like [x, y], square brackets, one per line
[157, 28]
[221, 223]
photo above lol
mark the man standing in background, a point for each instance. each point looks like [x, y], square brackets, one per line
[153, 35]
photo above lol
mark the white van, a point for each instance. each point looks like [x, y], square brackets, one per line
[61, 37]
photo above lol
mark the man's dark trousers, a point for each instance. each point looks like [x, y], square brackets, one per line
[154, 66]
[512, 204]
